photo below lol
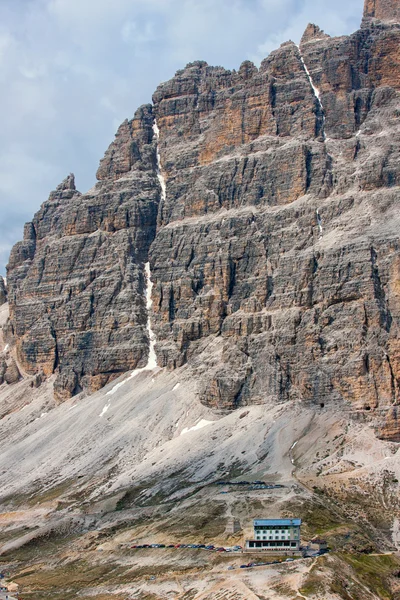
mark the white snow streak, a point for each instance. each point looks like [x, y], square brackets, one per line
[292, 447]
[152, 358]
[41, 416]
[105, 409]
[6, 348]
[319, 220]
[316, 91]
[317, 94]
[176, 387]
[200, 425]
[160, 176]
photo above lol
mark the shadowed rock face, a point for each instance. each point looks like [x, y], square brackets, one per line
[76, 281]
[3, 292]
[274, 255]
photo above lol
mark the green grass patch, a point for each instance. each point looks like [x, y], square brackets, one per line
[66, 580]
[374, 572]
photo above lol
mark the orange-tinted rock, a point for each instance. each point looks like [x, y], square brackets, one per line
[386, 10]
[390, 427]
[313, 33]
[348, 70]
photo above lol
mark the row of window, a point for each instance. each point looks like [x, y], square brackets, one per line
[272, 544]
[283, 532]
[269, 530]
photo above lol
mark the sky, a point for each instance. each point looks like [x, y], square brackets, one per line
[72, 70]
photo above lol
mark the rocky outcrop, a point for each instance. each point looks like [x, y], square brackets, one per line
[11, 374]
[313, 33]
[76, 281]
[355, 76]
[3, 291]
[386, 10]
[275, 252]
[3, 368]
[390, 426]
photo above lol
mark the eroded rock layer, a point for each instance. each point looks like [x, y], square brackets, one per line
[382, 9]
[275, 253]
[77, 282]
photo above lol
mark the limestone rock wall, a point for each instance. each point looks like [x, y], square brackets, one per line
[77, 282]
[275, 253]
[388, 10]
[239, 254]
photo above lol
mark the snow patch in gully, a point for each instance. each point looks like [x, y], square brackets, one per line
[152, 358]
[203, 423]
[316, 91]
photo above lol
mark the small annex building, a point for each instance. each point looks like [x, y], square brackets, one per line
[318, 544]
[276, 535]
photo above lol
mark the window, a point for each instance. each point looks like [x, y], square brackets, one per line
[293, 544]
[277, 537]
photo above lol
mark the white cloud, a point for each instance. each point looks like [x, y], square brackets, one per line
[132, 33]
[17, 164]
[6, 42]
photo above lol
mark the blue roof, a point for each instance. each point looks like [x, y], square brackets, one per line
[277, 522]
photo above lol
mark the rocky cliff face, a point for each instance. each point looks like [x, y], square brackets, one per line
[3, 292]
[76, 281]
[274, 251]
[387, 10]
